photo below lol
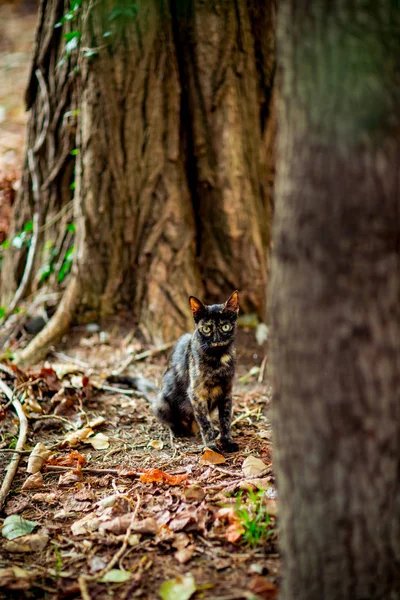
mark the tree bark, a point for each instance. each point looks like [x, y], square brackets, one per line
[335, 300]
[170, 128]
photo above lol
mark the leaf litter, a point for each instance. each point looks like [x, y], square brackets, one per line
[82, 496]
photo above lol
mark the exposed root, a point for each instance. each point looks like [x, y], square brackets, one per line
[23, 430]
[55, 328]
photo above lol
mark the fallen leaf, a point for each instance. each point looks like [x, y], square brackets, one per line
[49, 498]
[194, 493]
[116, 576]
[28, 543]
[75, 437]
[183, 556]
[212, 458]
[121, 524]
[33, 482]
[253, 466]
[70, 478]
[15, 526]
[87, 524]
[73, 459]
[181, 588]
[156, 444]
[16, 505]
[98, 441]
[15, 578]
[263, 588]
[157, 476]
[63, 369]
[181, 541]
[37, 457]
[234, 532]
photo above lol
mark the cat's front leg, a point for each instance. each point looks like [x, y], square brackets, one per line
[225, 418]
[201, 413]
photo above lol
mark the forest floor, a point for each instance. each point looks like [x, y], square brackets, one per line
[119, 508]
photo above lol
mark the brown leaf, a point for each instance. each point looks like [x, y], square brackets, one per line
[183, 556]
[263, 588]
[234, 532]
[34, 542]
[157, 476]
[87, 524]
[181, 540]
[33, 482]
[253, 466]
[46, 497]
[16, 505]
[121, 524]
[212, 458]
[15, 578]
[194, 493]
[73, 459]
[37, 457]
[70, 478]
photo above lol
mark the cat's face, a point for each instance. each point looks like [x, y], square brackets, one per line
[215, 323]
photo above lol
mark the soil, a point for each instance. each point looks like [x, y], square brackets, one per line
[191, 533]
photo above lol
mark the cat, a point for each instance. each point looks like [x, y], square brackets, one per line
[200, 375]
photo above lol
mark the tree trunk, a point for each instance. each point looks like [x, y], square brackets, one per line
[172, 197]
[335, 300]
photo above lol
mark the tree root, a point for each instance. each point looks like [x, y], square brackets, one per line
[23, 430]
[55, 328]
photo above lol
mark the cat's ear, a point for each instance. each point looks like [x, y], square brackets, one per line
[196, 307]
[232, 304]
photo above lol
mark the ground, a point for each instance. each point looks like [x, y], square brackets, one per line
[190, 521]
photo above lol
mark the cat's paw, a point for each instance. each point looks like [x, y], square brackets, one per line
[229, 445]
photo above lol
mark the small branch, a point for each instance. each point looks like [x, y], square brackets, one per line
[142, 356]
[262, 369]
[244, 415]
[89, 470]
[23, 430]
[46, 102]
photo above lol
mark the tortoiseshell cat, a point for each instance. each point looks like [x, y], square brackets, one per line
[200, 375]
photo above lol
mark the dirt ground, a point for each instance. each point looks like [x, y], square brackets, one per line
[185, 521]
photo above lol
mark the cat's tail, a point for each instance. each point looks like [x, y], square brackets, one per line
[141, 384]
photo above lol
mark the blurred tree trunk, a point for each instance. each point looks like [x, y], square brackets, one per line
[335, 304]
[166, 108]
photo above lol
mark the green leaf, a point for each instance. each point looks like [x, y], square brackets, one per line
[5, 244]
[116, 576]
[3, 311]
[74, 152]
[91, 53]
[15, 526]
[73, 185]
[181, 588]
[71, 227]
[71, 35]
[45, 272]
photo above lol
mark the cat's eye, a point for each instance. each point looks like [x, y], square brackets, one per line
[225, 327]
[206, 329]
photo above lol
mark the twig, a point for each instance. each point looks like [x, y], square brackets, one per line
[262, 369]
[23, 430]
[57, 418]
[64, 357]
[117, 390]
[83, 586]
[8, 370]
[245, 415]
[115, 472]
[57, 216]
[142, 356]
[15, 451]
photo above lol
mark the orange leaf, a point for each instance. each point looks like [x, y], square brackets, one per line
[234, 532]
[157, 476]
[212, 458]
[74, 458]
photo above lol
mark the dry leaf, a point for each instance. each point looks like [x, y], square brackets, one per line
[45, 497]
[194, 493]
[253, 466]
[37, 457]
[70, 478]
[75, 437]
[156, 444]
[73, 459]
[63, 369]
[183, 556]
[16, 505]
[212, 458]
[87, 524]
[234, 532]
[120, 525]
[33, 482]
[100, 441]
[181, 540]
[263, 588]
[15, 578]
[27, 543]
[96, 422]
[157, 476]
